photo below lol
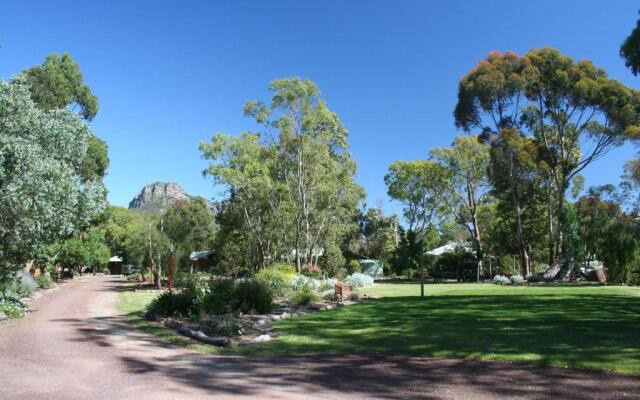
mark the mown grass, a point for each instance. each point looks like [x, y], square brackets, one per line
[565, 326]
[590, 327]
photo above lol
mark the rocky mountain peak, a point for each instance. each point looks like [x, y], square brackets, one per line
[158, 195]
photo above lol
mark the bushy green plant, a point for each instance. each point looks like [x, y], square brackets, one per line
[305, 296]
[501, 280]
[353, 266]
[44, 281]
[534, 278]
[219, 298]
[170, 304]
[298, 282]
[12, 307]
[516, 278]
[252, 296]
[194, 288]
[359, 280]
[328, 284]
[340, 273]
[21, 284]
[277, 278]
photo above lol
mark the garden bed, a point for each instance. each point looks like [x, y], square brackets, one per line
[230, 330]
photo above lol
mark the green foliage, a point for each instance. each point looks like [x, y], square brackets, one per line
[358, 280]
[87, 249]
[220, 298]
[20, 284]
[252, 296]
[297, 176]
[630, 50]
[277, 278]
[58, 83]
[170, 304]
[198, 295]
[40, 156]
[573, 246]
[445, 266]
[353, 266]
[620, 251]
[422, 188]
[96, 161]
[11, 307]
[562, 105]
[305, 296]
[189, 224]
[467, 163]
[44, 281]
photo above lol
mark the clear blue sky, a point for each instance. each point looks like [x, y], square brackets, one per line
[171, 73]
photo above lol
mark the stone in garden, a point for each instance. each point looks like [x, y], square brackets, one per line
[3, 316]
[262, 338]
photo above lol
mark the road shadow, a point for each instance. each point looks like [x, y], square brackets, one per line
[381, 375]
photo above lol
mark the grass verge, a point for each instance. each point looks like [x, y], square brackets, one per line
[133, 304]
[587, 327]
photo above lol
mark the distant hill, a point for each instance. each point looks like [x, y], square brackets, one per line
[158, 195]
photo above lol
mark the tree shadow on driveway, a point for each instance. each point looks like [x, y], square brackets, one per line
[321, 375]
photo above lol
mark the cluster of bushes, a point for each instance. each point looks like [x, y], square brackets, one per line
[21, 285]
[200, 294]
[277, 278]
[513, 279]
[44, 281]
[197, 296]
[358, 280]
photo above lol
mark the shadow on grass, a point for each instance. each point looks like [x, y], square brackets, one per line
[581, 331]
[451, 325]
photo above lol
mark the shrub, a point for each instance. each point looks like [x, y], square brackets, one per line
[516, 278]
[353, 266]
[22, 284]
[534, 278]
[298, 282]
[44, 281]
[305, 296]
[500, 280]
[12, 307]
[284, 268]
[277, 278]
[340, 273]
[252, 296]
[328, 284]
[169, 304]
[219, 298]
[359, 280]
[194, 288]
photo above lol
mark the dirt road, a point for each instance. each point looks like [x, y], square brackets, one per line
[75, 345]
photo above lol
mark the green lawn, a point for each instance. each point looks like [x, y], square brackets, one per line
[596, 327]
[582, 327]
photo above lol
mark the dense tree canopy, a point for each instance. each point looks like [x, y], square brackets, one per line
[42, 196]
[572, 109]
[422, 187]
[292, 184]
[58, 83]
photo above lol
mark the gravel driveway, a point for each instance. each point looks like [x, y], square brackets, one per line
[75, 345]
